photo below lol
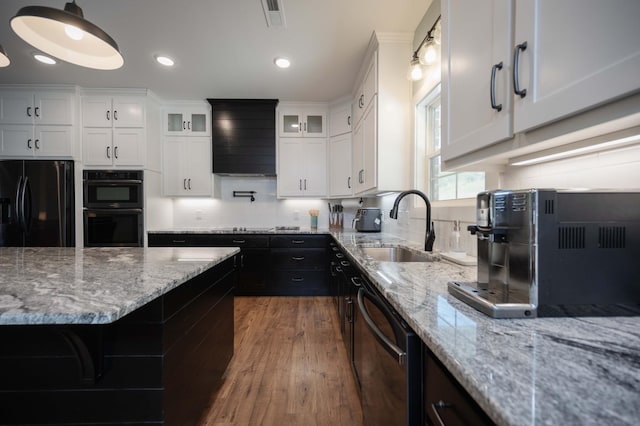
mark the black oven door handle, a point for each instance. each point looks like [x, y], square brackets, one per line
[389, 346]
[116, 211]
[114, 182]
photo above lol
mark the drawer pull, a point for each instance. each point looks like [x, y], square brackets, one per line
[345, 263]
[339, 255]
[437, 405]
[297, 241]
[239, 241]
[298, 258]
[179, 241]
[297, 279]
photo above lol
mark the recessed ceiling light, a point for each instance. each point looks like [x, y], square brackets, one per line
[44, 59]
[282, 62]
[164, 60]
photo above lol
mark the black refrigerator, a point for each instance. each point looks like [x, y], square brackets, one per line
[37, 203]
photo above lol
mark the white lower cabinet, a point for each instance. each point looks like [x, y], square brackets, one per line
[340, 180]
[114, 147]
[302, 167]
[36, 141]
[187, 166]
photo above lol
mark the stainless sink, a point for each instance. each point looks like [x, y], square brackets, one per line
[396, 254]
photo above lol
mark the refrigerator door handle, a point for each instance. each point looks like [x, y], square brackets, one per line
[18, 212]
[26, 205]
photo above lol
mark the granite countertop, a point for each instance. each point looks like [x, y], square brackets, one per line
[51, 285]
[275, 230]
[543, 371]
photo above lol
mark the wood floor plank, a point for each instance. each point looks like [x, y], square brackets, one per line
[289, 368]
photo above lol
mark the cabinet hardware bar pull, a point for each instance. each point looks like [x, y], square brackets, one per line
[297, 279]
[349, 120]
[179, 241]
[184, 125]
[115, 114]
[297, 241]
[516, 62]
[338, 269]
[108, 115]
[37, 143]
[189, 125]
[29, 143]
[339, 255]
[115, 152]
[298, 258]
[356, 281]
[305, 126]
[28, 111]
[239, 241]
[492, 90]
[37, 111]
[305, 184]
[189, 183]
[299, 127]
[184, 183]
[300, 184]
[108, 155]
[345, 263]
[349, 182]
[440, 404]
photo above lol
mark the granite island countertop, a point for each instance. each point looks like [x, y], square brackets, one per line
[543, 371]
[51, 285]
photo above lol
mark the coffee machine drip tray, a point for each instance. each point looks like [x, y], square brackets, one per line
[497, 302]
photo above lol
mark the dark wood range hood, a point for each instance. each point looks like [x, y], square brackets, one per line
[243, 134]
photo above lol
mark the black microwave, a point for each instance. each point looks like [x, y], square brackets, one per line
[113, 189]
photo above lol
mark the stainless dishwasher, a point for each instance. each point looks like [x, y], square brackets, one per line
[387, 359]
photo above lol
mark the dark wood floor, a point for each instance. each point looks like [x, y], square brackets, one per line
[289, 368]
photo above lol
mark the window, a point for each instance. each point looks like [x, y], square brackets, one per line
[440, 185]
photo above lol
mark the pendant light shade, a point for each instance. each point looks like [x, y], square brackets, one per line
[4, 59]
[66, 35]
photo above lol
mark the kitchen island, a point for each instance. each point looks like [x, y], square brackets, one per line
[542, 371]
[113, 335]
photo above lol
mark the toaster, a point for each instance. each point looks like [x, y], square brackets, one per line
[368, 220]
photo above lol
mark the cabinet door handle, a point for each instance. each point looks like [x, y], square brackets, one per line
[184, 183]
[299, 127]
[115, 114]
[108, 154]
[108, 115]
[300, 184]
[349, 182]
[238, 241]
[516, 63]
[492, 89]
[28, 111]
[440, 404]
[297, 241]
[297, 258]
[349, 120]
[37, 143]
[297, 279]
[189, 184]
[29, 143]
[115, 152]
[361, 101]
[189, 125]
[305, 126]
[184, 125]
[37, 111]
[305, 184]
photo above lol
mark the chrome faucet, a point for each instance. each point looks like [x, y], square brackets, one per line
[430, 234]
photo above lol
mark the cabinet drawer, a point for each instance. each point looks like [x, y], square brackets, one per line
[298, 283]
[208, 240]
[445, 401]
[302, 259]
[299, 241]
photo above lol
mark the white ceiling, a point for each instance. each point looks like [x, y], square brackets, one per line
[222, 48]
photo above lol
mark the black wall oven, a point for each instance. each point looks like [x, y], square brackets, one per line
[113, 208]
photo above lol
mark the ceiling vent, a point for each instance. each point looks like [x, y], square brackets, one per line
[274, 13]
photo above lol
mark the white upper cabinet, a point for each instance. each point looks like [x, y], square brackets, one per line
[340, 119]
[186, 121]
[578, 54]
[476, 74]
[366, 90]
[187, 167]
[565, 58]
[339, 166]
[24, 141]
[302, 167]
[36, 107]
[106, 111]
[302, 121]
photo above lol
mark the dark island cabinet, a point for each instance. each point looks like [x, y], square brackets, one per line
[158, 365]
[269, 265]
[445, 401]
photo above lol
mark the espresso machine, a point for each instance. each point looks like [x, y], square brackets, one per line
[548, 252]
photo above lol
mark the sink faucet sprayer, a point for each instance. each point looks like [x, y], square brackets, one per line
[430, 234]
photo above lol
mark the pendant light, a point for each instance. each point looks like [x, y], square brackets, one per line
[4, 59]
[66, 35]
